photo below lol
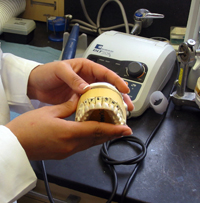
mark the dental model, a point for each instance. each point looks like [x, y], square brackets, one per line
[103, 103]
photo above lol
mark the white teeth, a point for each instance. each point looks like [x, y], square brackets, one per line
[119, 115]
[111, 107]
[105, 105]
[98, 102]
[98, 105]
[92, 103]
[115, 110]
[86, 108]
[89, 105]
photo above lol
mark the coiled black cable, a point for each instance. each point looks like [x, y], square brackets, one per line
[111, 162]
[131, 177]
[136, 160]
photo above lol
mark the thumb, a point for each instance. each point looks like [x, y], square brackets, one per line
[67, 108]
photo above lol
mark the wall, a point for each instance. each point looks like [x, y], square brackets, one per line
[175, 11]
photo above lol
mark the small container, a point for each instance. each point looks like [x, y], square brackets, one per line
[19, 30]
[57, 26]
[158, 102]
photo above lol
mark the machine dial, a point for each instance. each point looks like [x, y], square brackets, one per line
[135, 69]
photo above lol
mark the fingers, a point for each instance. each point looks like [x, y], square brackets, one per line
[128, 101]
[90, 72]
[91, 133]
[103, 74]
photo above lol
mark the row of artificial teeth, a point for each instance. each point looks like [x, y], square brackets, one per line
[100, 103]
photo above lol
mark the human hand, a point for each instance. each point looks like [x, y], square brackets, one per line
[44, 134]
[56, 82]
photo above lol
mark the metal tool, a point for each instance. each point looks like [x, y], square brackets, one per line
[186, 54]
[143, 18]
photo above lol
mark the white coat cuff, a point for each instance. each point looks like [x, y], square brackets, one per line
[15, 74]
[17, 175]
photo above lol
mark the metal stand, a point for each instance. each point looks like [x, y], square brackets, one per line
[186, 55]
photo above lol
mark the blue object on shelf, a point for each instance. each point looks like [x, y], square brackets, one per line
[71, 45]
[57, 25]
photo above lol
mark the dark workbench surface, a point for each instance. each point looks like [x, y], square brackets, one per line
[169, 173]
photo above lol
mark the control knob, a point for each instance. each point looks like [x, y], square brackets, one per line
[135, 69]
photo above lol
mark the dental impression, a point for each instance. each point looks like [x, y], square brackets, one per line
[103, 103]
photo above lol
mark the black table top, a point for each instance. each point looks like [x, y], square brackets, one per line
[169, 173]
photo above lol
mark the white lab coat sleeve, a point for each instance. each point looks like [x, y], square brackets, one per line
[15, 74]
[16, 174]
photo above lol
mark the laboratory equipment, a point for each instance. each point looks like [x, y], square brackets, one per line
[19, 30]
[143, 18]
[70, 48]
[186, 55]
[193, 32]
[10, 9]
[57, 25]
[158, 102]
[145, 64]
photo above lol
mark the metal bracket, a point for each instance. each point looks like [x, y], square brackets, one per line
[44, 4]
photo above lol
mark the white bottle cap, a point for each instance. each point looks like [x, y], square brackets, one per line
[158, 102]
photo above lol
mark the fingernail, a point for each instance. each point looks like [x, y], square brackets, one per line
[127, 132]
[83, 86]
[87, 86]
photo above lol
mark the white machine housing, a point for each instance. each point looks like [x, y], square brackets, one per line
[120, 52]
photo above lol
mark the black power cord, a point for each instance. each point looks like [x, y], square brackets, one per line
[46, 182]
[111, 162]
[136, 160]
[130, 179]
